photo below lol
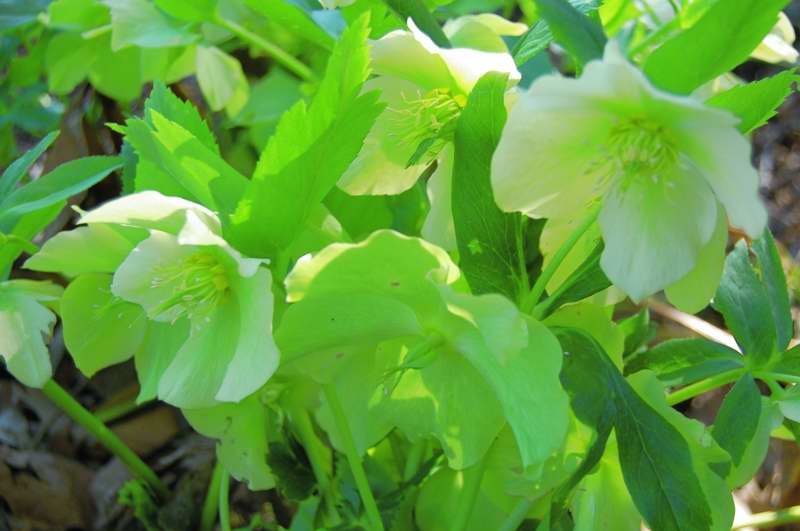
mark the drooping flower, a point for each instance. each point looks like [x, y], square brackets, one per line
[425, 87]
[188, 281]
[664, 168]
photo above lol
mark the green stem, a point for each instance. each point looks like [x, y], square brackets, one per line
[466, 501]
[224, 507]
[315, 451]
[104, 436]
[517, 516]
[117, 411]
[209, 515]
[541, 283]
[788, 378]
[280, 55]
[353, 457]
[703, 386]
[771, 519]
[525, 285]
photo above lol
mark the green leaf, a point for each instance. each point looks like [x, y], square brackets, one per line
[721, 39]
[15, 13]
[743, 301]
[60, 184]
[176, 163]
[743, 423]
[100, 329]
[243, 431]
[189, 10]
[538, 37]
[656, 459]
[221, 80]
[755, 103]
[489, 240]
[309, 151]
[684, 361]
[774, 280]
[77, 15]
[17, 169]
[184, 113]
[422, 17]
[68, 59]
[117, 74]
[25, 326]
[140, 23]
[294, 18]
[580, 35]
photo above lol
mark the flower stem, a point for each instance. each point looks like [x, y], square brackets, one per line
[703, 386]
[771, 519]
[280, 55]
[414, 459]
[224, 507]
[466, 502]
[104, 436]
[117, 411]
[353, 457]
[315, 452]
[547, 273]
[210, 504]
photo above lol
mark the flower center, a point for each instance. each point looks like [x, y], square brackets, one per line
[427, 123]
[196, 285]
[638, 147]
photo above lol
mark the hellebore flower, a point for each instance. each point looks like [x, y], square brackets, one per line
[191, 284]
[665, 169]
[425, 87]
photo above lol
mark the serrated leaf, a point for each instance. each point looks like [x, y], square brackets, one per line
[163, 101]
[743, 301]
[755, 103]
[538, 37]
[742, 427]
[684, 361]
[489, 240]
[723, 37]
[579, 34]
[774, 280]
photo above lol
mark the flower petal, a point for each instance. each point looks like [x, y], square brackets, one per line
[411, 56]
[439, 227]
[150, 210]
[256, 356]
[651, 242]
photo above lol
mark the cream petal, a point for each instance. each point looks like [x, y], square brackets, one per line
[438, 227]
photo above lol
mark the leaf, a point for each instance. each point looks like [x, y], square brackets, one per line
[140, 23]
[743, 301]
[176, 163]
[19, 168]
[15, 13]
[723, 37]
[755, 103]
[656, 459]
[221, 80]
[422, 17]
[68, 59]
[294, 18]
[25, 326]
[774, 280]
[163, 101]
[736, 428]
[189, 10]
[60, 184]
[685, 361]
[309, 152]
[538, 37]
[580, 35]
[100, 329]
[489, 240]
